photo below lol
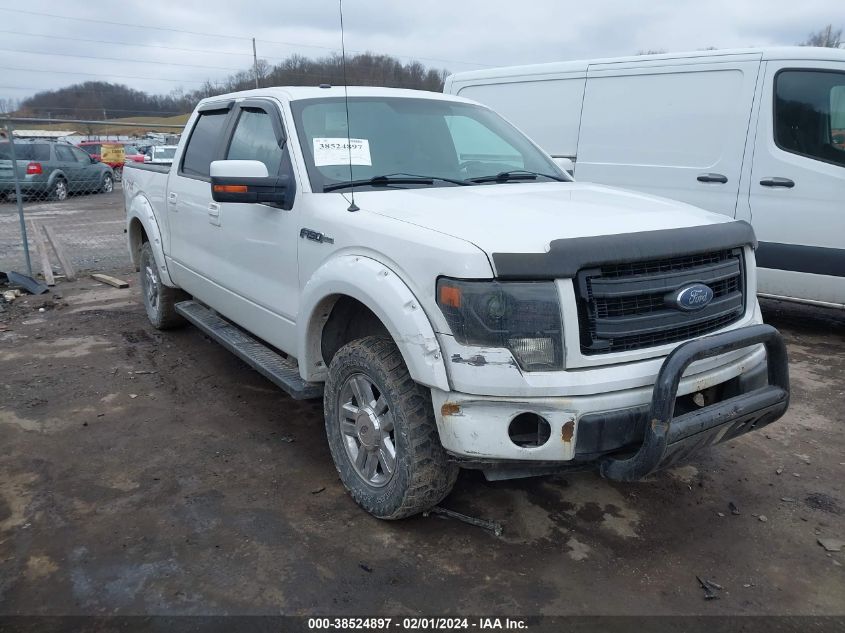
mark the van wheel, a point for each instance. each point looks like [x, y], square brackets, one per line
[60, 189]
[382, 433]
[159, 300]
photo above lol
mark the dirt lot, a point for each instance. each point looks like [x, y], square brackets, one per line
[144, 472]
[89, 226]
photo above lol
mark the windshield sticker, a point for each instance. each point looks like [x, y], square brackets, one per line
[338, 151]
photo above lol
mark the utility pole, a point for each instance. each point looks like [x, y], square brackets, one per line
[255, 62]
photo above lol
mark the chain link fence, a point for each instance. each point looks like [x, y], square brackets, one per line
[64, 196]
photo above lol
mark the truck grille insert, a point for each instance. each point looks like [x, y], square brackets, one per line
[629, 306]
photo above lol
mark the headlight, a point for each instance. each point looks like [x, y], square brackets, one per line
[521, 316]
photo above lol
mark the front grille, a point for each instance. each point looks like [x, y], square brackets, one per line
[624, 307]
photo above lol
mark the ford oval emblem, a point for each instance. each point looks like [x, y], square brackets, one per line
[693, 297]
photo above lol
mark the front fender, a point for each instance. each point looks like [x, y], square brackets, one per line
[140, 219]
[382, 291]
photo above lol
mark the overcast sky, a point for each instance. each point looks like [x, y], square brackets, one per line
[457, 35]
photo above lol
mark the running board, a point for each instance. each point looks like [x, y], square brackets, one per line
[270, 364]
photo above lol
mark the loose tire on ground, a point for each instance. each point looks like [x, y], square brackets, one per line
[159, 300]
[399, 411]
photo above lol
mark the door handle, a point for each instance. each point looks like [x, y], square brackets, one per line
[171, 198]
[777, 181]
[214, 209]
[712, 178]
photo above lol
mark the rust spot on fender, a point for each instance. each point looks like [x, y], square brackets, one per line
[450, 408]
[567, 431]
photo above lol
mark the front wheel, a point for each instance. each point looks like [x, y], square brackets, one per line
[159, 300]
[118, 174]
[382, 433]
[108, 184]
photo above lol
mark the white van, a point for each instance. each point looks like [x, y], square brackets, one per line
[755, 134]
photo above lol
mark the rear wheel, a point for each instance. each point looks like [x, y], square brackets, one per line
[108, 184]
[60, 189]
[118, 174]
[159, 300]
[382, 433]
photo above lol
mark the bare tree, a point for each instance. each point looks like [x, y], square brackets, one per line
[826, 37]
[7, 106]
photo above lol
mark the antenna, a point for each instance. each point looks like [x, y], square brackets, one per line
[352, 206]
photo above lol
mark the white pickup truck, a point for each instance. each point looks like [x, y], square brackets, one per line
[471, 306]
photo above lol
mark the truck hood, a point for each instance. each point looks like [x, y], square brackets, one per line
[526, 217]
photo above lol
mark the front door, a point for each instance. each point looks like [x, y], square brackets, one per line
[797, 187]
[257, 256]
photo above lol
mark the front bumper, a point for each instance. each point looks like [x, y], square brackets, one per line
[632, 432]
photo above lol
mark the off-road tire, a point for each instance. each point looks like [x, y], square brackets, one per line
[423, 474]
[159, 300]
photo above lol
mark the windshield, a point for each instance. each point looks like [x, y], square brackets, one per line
[418, 137]
[164, 152]
[131, 149]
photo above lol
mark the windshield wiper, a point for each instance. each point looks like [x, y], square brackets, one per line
[394, 179]
[517, 174]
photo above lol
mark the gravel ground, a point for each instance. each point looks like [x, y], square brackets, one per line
[146, 472]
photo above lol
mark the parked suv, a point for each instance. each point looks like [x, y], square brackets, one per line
[50, 169]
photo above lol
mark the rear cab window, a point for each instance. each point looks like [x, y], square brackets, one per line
[809, 115]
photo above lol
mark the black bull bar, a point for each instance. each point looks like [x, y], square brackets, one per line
[668, 439]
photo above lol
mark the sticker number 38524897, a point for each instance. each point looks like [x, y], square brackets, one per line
[341, 151]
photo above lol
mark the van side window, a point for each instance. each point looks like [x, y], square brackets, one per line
[203, 143]
[810, 114]
[254, 139]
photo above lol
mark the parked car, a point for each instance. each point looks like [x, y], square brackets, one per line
[160, 154]
[113, 153]
[52, 169]
[455, 298]
[751, 134]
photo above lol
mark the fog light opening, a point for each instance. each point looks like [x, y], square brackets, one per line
[529, 430]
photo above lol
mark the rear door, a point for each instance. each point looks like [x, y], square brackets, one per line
[194, 240]
[673, 128]
[72, 169]
[797, 185]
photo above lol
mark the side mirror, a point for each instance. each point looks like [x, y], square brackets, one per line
[566, 164]
[94, 159]
[248, 181]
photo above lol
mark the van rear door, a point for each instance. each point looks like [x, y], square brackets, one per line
[671, 127]
[797, 187]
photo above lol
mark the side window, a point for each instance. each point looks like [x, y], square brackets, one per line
[254, 139]
[81, 157]
[64, 155]
[475, 142]
[203, 143]
[810, 114]
[41, 151]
